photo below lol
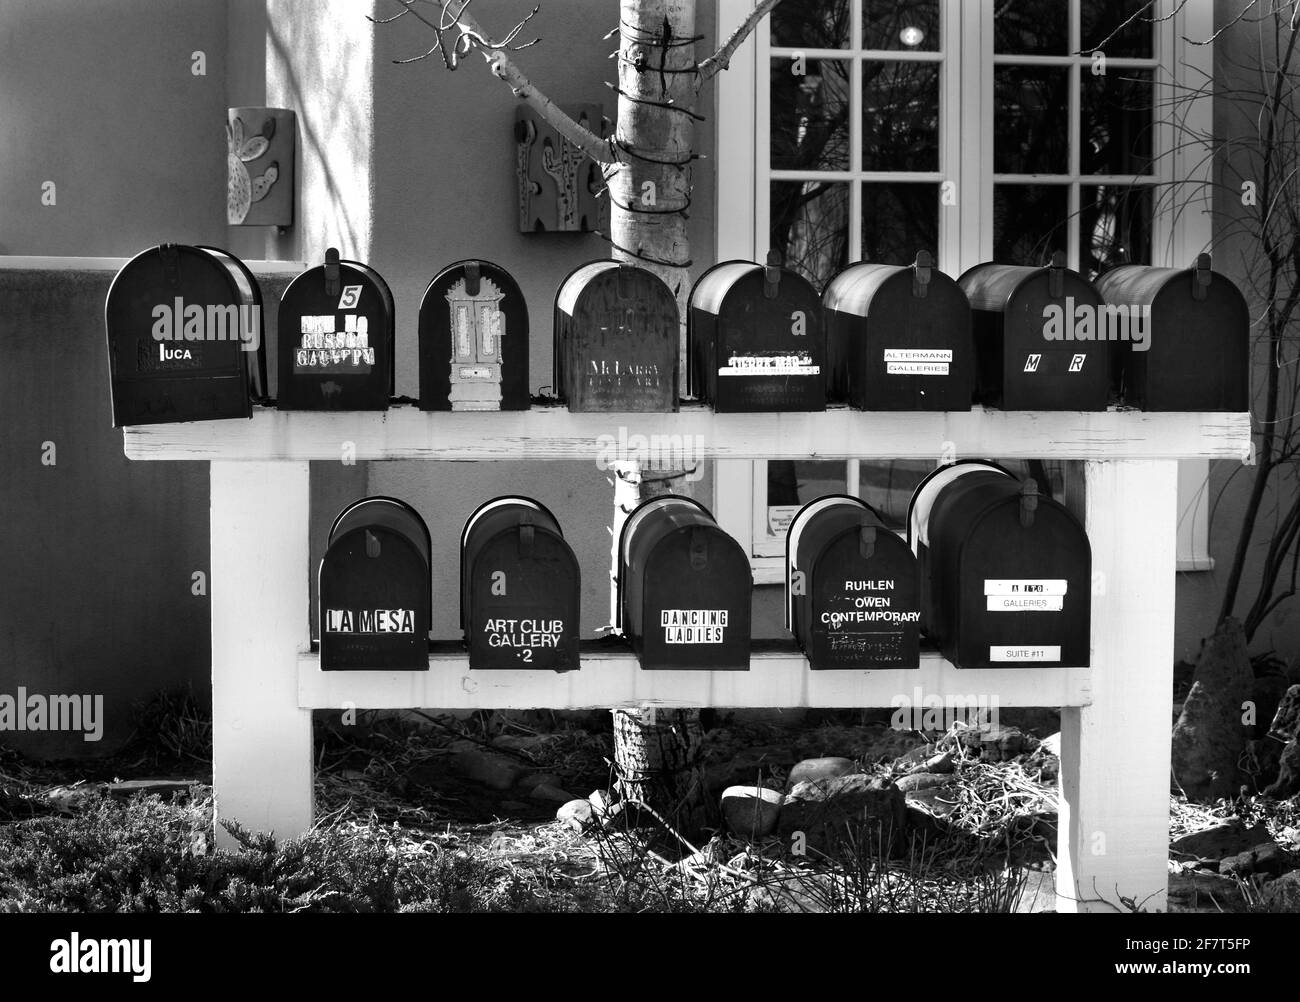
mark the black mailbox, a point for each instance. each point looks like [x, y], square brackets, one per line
[336, 339]
[1036, 338]
[918, 523]
[899, 339]
[473, 340]
[1185, 337]
[184, 328]
[520, 588]
[1011, 573]
[755, 339]
[852, 599]
[684, 588]
[375, 602]
[616, 333]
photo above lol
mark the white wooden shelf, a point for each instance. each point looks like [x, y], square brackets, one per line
[615, 679]
[405, 432]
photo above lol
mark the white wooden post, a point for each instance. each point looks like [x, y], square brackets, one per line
[1114, 817]
[261, 739]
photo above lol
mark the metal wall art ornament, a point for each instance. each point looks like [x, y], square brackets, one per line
[260, 159]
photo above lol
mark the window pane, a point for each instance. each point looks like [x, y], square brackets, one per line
[900, 116]
[888, 486]
[1116, 125]
[811, 24]
[1031, 120]
[1029, 222]
[1114, 227]
[1031, 27]
[791, 484]
[900, 24]
[1102, 18]
[810, 115]
[810, 227]
[898, 220]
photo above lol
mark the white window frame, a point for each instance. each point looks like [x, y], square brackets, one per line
[965, 230]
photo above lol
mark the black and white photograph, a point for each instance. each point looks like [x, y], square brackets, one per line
[739, 459]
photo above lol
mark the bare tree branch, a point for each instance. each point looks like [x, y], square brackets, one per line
[721, 59]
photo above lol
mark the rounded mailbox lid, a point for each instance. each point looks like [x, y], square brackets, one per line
[490, 519]
[923, 498]
[795, 557]
[391, 513]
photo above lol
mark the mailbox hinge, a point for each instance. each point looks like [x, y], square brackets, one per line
[866, 541]
[525, 538]
[372, 545]
[1201, 277]
[170, 257]
[1056, 275]
[921, 274]
[332, 283]
[472, 276]
[699, 549]
[1028, 502]
[772, 275]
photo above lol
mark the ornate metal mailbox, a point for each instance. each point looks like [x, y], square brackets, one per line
[1037, 343]
[473, 341]
[1010, 574]
[899, 339]
[336, 339]
[1185, 343]
[616, 331]
[852, 596]
[375, 602]
[684, 588]
[184, 328]
[755, 339]
[520, 588]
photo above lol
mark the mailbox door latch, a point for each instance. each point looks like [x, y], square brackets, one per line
[1028, 502]
[921, 274]
[866, 541]
[772, 275]
[171, 258]
[1056, 276]
[1201, 277]
[699, 549]
[332, 282]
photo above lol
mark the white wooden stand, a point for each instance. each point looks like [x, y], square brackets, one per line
[1115, 728]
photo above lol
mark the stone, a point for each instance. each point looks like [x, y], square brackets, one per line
[857, 805]
[1209, 737]
[550, 794]
[1227, 839]
[1269, 692]
[483, 766]
[1051, 744]
[994, 743]
[541, 779]
[1288, 773]
[1037, 892]
[1282, 894]
[751, 811]
[577, 814]
[1199, 891]
[1266, 858]
[600, 801]
[812, 770]
[918, 756]
[941, 763]
[1286, 719]
[923, 781]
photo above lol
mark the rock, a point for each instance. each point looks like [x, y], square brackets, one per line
[627, 815]
[751, 811]
[940, 763]
[1288, 772]
[577, 814]
[994, 743]
[813, 770]
[1268, 858]
[745, 767]
[541, 779]
[923, 781]
[916, 757]
[866, 808]
[1268, 693]
[165, 788]
[923, 827]
[513, 805]
[600, 801]
[1209, 737]
[1199, 891]
[1037, 892]
[1215, 843]
[938, 801]
[551, 794]
[1286, 719]
[483, 766]
[1051, 744]
[1282, 894]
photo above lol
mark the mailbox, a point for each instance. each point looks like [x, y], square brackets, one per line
[899, 339]
[755, 339]
[616, 331]
[375, 602]
[336, 339]
[918, 522]
[1010, 573]
[1183, 337]
[185, 337]
[1036, 338]
[473, 341]
[852, 599]
[684, 588]
[520, 588]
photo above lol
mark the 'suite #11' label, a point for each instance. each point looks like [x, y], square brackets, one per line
[1037, 595]
[693, 626]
